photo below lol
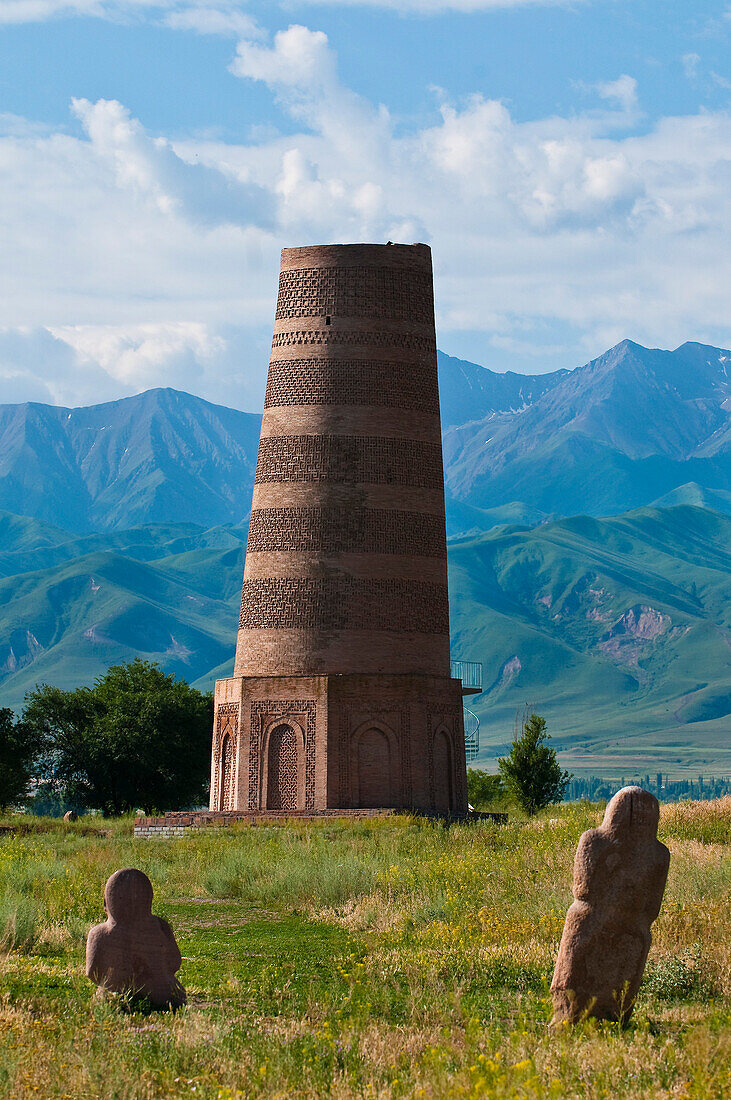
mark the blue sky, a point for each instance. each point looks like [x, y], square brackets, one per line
[568, 163]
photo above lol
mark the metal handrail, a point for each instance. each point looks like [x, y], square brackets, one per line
[470, 673]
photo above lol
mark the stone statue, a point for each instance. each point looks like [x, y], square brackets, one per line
[134, 953]
[620, 873]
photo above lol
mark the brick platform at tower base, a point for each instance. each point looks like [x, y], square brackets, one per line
[183, 822]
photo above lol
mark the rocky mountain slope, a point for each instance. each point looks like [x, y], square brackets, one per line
[161, 456]
[627, 428]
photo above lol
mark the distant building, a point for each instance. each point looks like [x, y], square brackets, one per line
[342, 696]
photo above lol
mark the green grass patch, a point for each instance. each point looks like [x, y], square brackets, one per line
[394, 958]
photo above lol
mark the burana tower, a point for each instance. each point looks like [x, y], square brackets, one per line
[341, 696]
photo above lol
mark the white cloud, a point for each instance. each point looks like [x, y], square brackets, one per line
[226, 17]
[622, 91]
[76, 364]
[299, 58]
[230, 17]
[136, 355]
[436, 7]
[213, 18]
[149, 261]
[151, 170]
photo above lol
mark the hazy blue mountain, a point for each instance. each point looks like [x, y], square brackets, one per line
[158, 457]
[468, 391]
[629, 428]
[624, 430]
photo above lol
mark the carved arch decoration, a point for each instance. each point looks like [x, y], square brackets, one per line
[226, 733]
[283, 766]
[266, 714]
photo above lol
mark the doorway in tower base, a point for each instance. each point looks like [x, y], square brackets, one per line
[285, 769]
[372, 759]
[443, 775]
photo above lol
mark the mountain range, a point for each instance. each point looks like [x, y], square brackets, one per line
[588, 514]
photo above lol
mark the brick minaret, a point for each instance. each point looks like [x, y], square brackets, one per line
[341, 695]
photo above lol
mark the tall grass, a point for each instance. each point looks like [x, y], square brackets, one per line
[384, 959]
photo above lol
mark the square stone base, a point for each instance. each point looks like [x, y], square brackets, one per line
[310, 744]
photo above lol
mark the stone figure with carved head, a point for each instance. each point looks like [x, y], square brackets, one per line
[620, 871]
[134, 953]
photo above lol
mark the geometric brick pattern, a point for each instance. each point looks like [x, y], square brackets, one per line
[227, 773]
[388, 295]
[226, 728]
[350, 460]
[283, 769]
[341, 529]
[263, 712]
[376, 383]
[396, 341]
[345, 603]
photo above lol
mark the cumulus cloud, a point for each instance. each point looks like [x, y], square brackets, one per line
[136, 260]
[622, 91]
[73, 365]
[153, 171]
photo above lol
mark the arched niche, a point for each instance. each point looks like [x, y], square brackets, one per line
[443, 779]
[374, 753]
[283, 786]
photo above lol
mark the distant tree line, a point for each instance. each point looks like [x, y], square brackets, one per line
[595, 788]
[137, 738]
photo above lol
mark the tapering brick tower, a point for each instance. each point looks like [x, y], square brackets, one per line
[341, 696]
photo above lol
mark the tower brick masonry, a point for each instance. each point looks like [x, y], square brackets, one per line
[341, 695]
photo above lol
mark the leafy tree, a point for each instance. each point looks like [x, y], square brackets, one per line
[18, 747]
[531, 772]
[484, 789]
[137, 738]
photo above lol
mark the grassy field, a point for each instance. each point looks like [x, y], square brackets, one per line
[393, 958]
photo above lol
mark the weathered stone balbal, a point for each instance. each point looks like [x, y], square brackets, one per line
[620, 873]
[134, 952]
[341, 695]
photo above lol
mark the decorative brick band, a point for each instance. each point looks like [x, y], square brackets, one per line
[383, 293]
[402, 341]
[344, 530]
[351, 460]
[345, 603]
[352, 382]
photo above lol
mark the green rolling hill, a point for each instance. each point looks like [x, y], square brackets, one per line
[617, 629]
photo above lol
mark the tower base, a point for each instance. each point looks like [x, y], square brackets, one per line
[309, 744]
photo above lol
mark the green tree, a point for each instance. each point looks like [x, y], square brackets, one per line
[531, 773]
[484, 789]
[137, 738]
[18, 748]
